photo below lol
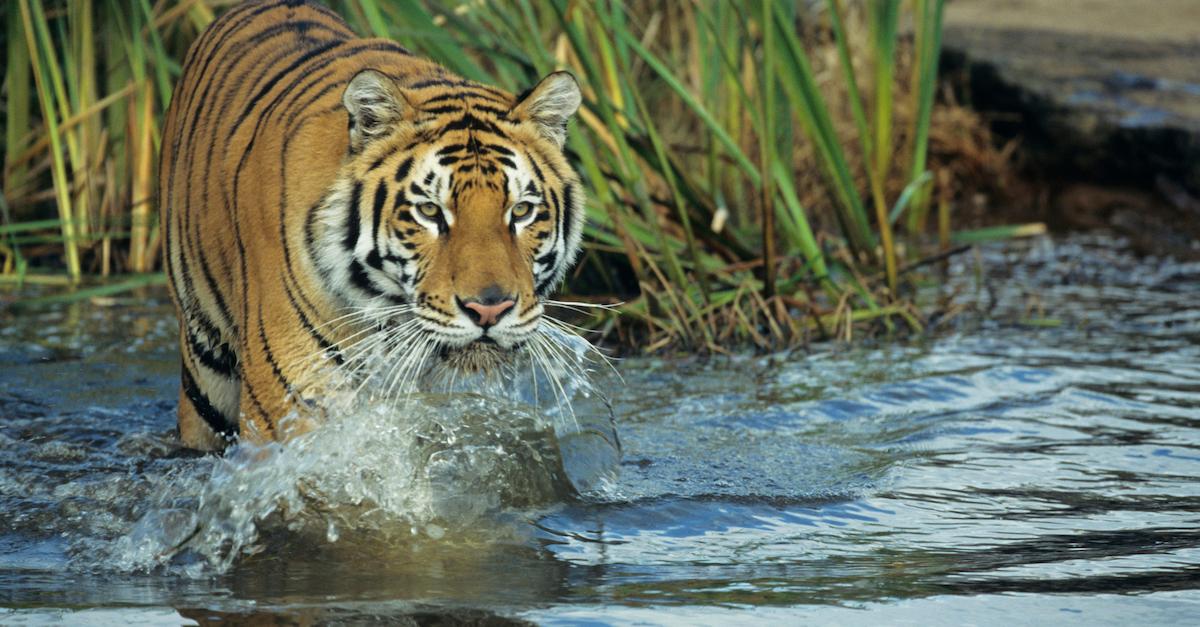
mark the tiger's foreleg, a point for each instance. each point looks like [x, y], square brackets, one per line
[280, 393]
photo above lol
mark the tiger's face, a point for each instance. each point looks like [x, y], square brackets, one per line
[456, 213]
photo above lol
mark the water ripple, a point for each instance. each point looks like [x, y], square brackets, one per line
[991, 472]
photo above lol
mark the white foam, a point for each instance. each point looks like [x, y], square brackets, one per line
[441, 466]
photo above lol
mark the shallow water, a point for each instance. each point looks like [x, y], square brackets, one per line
[1046, 470]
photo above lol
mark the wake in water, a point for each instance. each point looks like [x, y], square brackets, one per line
[412, 453]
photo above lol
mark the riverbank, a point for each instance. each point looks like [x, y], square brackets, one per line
[1103, 97]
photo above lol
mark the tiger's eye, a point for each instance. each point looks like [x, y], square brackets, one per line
[429, 210]
[522, 210]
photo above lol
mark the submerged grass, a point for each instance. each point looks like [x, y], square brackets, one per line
[727, 147]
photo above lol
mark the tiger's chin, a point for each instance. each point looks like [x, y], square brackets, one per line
[483, 356]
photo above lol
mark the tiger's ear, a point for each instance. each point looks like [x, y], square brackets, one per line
[374, 103]
[549, 105]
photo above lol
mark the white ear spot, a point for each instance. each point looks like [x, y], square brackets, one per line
[550, 104]
[374, 104]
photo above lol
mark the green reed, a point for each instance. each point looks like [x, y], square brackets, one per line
[698, 116]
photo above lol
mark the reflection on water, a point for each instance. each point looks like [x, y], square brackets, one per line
[997, 468]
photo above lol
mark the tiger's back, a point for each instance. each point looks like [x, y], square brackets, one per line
[279, 112]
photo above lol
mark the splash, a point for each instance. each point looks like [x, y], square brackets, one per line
[450, 466]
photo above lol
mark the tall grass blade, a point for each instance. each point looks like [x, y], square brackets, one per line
[842, 40]
[160, 58]
[914, 187]
[929, 24]
[766, 142]
[17, 122]
[882, 20]
[43, 59]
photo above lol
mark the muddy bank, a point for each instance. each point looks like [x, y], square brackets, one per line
[1104, 98]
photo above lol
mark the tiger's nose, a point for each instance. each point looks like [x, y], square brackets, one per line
[491, 305]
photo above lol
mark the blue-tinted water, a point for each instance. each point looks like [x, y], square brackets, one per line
[1045, 471]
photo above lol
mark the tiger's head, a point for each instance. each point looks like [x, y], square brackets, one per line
[456, 213]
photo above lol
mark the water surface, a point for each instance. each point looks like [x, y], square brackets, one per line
[1041, 462]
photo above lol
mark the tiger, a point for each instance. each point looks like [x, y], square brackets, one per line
[306, 172]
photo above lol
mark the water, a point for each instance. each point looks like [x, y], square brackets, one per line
[1042, 465]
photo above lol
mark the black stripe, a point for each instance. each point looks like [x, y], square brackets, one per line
[321, 9]
[468, 121]
[527, 323]
[230, 83]
[262, 411]
[358, 276]
[443, 98]
[310, 221]
[216, 421]
[270, 355]
[321, 340]
[378, 162]
[211, 281]
[381, 193]
[500, 149]
[536, 170]
[433, 320]
[543, 288]
[436, 82]
[433, 307]
[404, 169]
[444, 109]
[568, 210]
[400, 201]
[219, 359]
[500, 113]
[546, 162]
[352, 217]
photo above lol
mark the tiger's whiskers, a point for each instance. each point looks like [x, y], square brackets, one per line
[397, 359]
